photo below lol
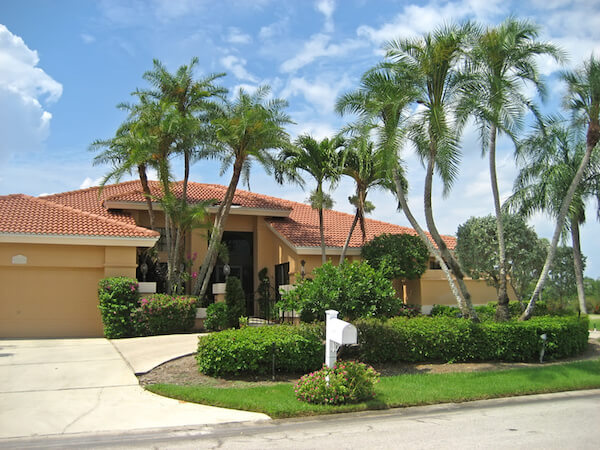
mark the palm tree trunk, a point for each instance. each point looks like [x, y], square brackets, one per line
[347, 243]
[147, 194]
[578, 263]
[560, 221]
[462, 304]
[437, 238]
[322, 233]
[210, 259]
[179, 237]
[502, 312]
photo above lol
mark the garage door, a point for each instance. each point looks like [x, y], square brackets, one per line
[49, 302]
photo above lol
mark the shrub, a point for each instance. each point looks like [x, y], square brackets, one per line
[117, 297]
[400, 255]
[354, 289]
[347, 382]
[488, 312]
[235, 299]
[453, 339]
[445, 311]
[250, 350]
[164, 314]
[409, 310]
[216, 317]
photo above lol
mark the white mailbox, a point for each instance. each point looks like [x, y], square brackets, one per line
[337, 333]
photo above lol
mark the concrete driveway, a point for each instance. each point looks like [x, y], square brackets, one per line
[60, 386]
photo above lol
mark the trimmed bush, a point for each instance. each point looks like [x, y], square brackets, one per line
[488, 312]
[451, 339]
[354, 289]
[235, 298]
[216, 317]
[164, 314]
[117, 297]
[347, 382]
[249, 350]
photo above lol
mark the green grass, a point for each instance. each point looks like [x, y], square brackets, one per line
[278, 400]
[594, 321]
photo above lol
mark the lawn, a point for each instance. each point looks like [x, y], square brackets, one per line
[278, 400]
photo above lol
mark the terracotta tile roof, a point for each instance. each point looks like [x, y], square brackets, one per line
[198, 192]
[23, 214]
[301, 228]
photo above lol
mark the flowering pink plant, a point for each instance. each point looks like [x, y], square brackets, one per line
[347, 382]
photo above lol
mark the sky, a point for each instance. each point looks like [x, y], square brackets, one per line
[66, 64]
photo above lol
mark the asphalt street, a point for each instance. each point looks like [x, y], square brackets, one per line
[566, 420]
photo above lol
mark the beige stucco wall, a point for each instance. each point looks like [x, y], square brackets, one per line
[55, 293]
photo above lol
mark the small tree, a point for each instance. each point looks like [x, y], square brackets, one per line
[355, 290]
[561, 286]
[235, 298]
[400, 256]
[477, 250]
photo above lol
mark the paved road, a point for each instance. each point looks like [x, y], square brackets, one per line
[551, 421]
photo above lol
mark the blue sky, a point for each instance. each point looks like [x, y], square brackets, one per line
[65, 65]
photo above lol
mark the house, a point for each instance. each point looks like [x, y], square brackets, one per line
[55, 249]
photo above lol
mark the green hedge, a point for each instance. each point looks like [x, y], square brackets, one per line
[449, 339]
[488, 312]
[117, 297]
[164, 314]
[249, 350]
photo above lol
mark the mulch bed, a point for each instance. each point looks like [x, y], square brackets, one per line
[184, 371]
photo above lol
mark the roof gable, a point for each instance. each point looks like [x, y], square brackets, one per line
[22, 214]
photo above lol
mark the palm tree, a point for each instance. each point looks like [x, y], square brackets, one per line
[246, 130]
[500, 63]
[433, 60]
[320, 160]
[364, 163]
[583, 99]
[191, 102]
[385, 94]
[127, 152]
[550, 158]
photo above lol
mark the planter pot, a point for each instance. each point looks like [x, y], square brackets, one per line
[147, 287]
[218, 288]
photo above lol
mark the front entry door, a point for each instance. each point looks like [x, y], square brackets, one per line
[241, 260]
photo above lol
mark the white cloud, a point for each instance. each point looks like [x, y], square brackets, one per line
[236, 36]
[89, 182]
[318, 130]
[326, 7]
[237, 66]
[320, 93]
[87, 38]
[24, 123]
[318, 46]
[273, 30]
[415, 20]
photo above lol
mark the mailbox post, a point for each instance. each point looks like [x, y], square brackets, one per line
[337, 333]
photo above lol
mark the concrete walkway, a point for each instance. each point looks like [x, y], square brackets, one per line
[61, 386]
[145, 353]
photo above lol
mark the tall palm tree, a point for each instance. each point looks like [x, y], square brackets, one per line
[500, 63]
[364, 163]
[583, 99]
[191, 101]
[433, 60]
[127, 152]
[385, 94]
[247, 129]
[550, 158]
[320, 160]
